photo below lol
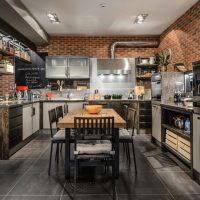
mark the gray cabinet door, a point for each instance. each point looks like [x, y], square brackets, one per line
[78, 68]
[196, 142]
[27, 121]
[56, 67]
[156, 122]
[36, 117]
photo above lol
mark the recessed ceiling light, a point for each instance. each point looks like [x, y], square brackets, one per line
[140, 18]
[53, 18]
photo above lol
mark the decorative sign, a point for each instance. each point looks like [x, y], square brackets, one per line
[31, 74]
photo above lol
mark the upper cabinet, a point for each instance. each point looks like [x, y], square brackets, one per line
[78, 68]
[56, 67]
[67, 68]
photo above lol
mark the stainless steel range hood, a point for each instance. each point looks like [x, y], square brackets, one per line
[114, 66]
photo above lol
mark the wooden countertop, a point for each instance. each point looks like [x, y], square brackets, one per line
[68, 120]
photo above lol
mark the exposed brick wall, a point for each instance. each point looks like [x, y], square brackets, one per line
[7, 83]
[183, 37]
[96, 46]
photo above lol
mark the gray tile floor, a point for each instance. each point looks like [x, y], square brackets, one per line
[24, 176]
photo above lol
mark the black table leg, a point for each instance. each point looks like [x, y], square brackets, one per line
[67, 153]
[117, 153]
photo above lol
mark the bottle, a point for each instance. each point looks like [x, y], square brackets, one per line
[187, 126]
[175, 98]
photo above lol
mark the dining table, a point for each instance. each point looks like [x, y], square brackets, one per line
[67, 123]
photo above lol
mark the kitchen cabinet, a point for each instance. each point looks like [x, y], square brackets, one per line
[67, 68]
[196, 142]
[27, 121]
[78, 67]
[15, 126]
[74, 106]
[56, 67]
[36, 117]
[156, 122]
[31, 119]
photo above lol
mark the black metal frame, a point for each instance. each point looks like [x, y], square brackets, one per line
[53, 119]
[128, 141]
[103, 127]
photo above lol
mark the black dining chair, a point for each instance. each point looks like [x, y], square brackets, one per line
[94, 152]
[59, 112]
[126, 136]
[56, 138]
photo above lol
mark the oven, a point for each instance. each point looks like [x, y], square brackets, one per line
[196, 86]
[156, 88]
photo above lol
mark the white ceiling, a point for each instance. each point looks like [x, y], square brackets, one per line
[86, 17]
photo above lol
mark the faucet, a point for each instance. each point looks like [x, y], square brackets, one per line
[69, 94]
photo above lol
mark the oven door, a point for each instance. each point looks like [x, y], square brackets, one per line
[196, 79]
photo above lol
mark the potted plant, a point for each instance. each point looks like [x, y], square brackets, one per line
[164, 59]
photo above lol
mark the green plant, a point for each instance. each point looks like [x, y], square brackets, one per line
[164, 57]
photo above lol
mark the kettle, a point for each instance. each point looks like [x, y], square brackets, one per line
[179, 122]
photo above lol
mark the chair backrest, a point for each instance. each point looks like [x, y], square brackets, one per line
[52, 119]
[94, 126]
[59, 112]
[85, 104]
[66, 109]
[126, 115]
[131, 119]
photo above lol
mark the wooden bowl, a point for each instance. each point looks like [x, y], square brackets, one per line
[93, 109]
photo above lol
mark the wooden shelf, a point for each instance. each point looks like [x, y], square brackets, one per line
[143, 77]
[147, 65]
[179, 132]
[16, 57]
[176, 153]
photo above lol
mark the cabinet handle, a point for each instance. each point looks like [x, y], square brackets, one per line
[198, 118]
[155, 107]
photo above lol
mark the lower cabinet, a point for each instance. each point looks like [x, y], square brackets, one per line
[36, 117]
[156, 122]
[31, 119]
[27, 121]
[196, 142]
[73, 106]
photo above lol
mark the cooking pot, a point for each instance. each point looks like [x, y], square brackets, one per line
[107, 96]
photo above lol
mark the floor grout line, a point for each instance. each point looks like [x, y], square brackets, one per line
[20, 178]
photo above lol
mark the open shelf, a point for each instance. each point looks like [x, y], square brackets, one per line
[179, 132]
[143, 77]
[177, 154]
[5, 53]
[147, 65]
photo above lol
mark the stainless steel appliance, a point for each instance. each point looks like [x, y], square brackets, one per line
[114, 66]
[156, 87]
[196, 86]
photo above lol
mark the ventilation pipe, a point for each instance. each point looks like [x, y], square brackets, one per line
[132, 44]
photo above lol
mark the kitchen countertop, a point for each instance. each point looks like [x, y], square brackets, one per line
[16, 103]
[139, 100]
[178, 106]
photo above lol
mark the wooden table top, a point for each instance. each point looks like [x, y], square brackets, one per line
[68, 120]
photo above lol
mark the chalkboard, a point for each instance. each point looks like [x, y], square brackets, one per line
[31, 74]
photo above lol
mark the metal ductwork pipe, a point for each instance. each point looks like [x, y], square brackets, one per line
[132, 44]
